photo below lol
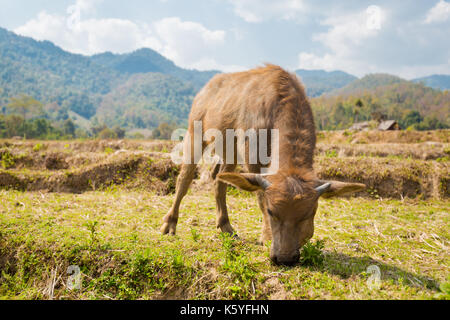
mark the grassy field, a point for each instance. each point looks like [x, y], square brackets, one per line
[106, 222]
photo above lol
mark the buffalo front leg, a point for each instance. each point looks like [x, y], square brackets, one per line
[223, 222]
[266, 232]
[183, 182]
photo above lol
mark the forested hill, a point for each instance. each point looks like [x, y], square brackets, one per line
[76, 83]
[147, 60]
[48, 73]
[383, 96]
[369, 82]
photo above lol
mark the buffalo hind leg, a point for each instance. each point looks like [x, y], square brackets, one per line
[223, 222]
[184, 180]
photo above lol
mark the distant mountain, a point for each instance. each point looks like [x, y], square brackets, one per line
[437, 81]
[97, 87]
[382, 95]
[368, 82]
[139, 90]
[50, 74]
[147, 60]
[318, 82]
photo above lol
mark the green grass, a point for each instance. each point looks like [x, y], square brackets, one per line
[113, 236]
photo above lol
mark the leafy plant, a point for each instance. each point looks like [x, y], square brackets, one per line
[8, 160]
[38, 147]
[238, 266]
[312, 254]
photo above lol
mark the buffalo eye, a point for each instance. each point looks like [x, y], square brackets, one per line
[270, 212]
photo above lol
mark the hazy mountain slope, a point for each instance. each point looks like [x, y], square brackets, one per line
[147, 60]
[145, 100]
[436, 81]
[142, 88]
[368, 82]
[318, 82]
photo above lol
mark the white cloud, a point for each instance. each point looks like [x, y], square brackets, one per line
[259, 10]
[346, 34]
[439, 13]
[188, 44]
[89, 36]
[312, 61]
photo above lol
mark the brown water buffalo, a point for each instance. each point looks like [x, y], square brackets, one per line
[263, 98]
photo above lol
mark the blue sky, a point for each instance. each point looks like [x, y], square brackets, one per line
[407, 38]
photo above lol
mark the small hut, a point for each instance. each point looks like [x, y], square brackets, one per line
[389, 125]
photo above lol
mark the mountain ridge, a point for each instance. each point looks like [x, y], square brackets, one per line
[318, 82]
[138, 89]
[435, 81]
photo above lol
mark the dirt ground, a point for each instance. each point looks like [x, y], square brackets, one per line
[394, 164]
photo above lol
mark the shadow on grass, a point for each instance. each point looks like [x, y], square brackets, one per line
[345, 266]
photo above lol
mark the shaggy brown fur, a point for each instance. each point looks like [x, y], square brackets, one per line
[263, 98]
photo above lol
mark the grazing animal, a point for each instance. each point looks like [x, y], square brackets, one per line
[263, 98]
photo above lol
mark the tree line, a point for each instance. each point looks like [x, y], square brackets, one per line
[26, 117]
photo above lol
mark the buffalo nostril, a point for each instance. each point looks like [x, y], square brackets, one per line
[288, 261]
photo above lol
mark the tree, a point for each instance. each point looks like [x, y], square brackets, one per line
[40, 128]
[69, 128]
[96, 129]
[359, 104]
[430, 123]
[107, 133]
[23, 105]
[2, 126]
[378, 116]
[12, 124]
[164, 131]
[411, 118]
[119, 132]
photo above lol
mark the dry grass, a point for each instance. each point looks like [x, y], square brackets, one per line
[420, 151]
[389, 170]
[364, 137]
[99, 204]
[113, 236]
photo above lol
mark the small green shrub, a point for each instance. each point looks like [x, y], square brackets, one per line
[331, 154]
[109, 150]
[444, 289]
[238, 266]
[38, 147]
[8, 160]
[195, 235]
[312, 254]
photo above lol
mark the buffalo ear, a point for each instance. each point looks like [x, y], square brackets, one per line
[244, 181]
[328, 189]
